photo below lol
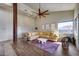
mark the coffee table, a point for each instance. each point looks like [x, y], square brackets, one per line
[42, 40]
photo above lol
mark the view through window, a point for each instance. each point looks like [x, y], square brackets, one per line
[65, 27]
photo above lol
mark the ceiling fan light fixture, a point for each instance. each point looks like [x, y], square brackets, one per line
[41, 13]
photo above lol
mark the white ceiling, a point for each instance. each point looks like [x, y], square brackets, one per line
[29, 8]
[52, 7]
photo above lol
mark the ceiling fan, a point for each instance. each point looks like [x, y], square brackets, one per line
[40, 13]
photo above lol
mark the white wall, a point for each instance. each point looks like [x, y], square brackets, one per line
[56, 17]
[76, 31]
[5, 24]
[25, 24]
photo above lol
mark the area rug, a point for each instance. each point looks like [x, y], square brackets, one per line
[34, 48]
[28, 49]
[50, 47]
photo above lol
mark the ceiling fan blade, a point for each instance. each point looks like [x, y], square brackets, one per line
[44, 12]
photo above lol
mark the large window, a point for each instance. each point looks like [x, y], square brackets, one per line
[53, 27]
[65, 27]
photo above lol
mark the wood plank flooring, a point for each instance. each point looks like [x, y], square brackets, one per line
[6, 49]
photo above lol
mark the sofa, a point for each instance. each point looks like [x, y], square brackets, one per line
[49, 35]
